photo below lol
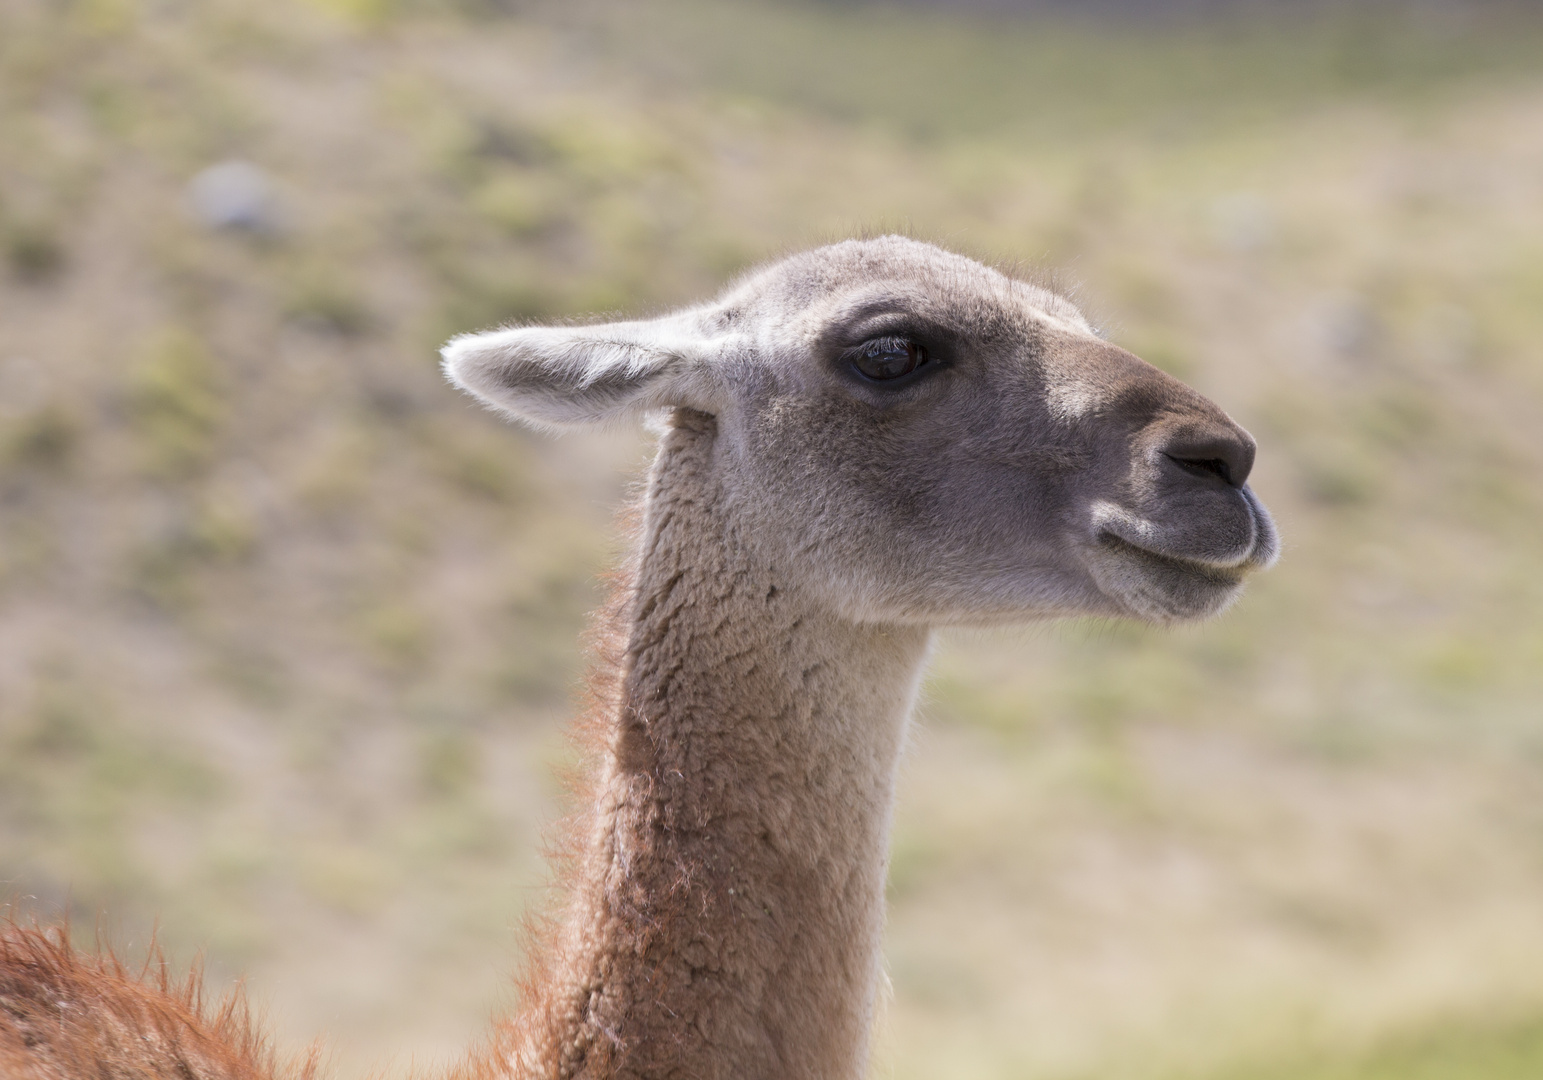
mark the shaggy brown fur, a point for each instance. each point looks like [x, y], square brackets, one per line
[70, 1015]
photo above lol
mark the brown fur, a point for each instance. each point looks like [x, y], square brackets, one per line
[804, 530]
[67, 1015]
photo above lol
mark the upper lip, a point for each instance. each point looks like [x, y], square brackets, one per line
[1153, 538]
[1255, 548]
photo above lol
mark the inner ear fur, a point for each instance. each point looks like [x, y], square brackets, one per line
[555, 376]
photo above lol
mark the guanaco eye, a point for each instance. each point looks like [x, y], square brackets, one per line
[889, 358]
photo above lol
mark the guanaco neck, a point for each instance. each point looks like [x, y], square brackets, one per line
[727, 918]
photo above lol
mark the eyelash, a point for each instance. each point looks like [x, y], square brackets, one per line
[873, 358]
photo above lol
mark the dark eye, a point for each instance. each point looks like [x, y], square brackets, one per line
[888, 358]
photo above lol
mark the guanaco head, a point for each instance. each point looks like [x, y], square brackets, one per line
[914, 437]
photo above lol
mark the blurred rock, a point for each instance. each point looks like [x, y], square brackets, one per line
[234, 195]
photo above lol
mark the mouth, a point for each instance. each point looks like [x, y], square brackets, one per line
[1164, 587]
[1161, 588]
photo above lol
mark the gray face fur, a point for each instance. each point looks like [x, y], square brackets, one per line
[1030, 469]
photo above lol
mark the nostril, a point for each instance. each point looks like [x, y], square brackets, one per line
[1212, 466]
[1227, 455]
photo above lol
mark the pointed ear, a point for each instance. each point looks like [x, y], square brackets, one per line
[552, 376]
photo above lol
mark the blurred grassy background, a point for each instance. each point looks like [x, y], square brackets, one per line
[288, 630]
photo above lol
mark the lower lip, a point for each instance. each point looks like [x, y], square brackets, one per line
[1220, 576]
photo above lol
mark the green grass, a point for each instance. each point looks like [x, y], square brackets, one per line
[1463, 1053]
[937, 75]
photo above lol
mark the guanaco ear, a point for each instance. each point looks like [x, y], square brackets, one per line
[553, 376]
